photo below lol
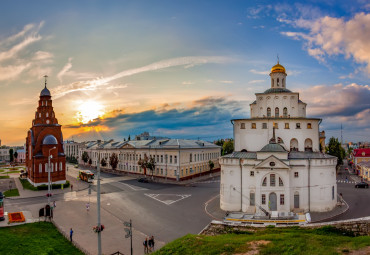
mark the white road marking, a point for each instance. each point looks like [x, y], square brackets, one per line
[166, 200]
[136, 188]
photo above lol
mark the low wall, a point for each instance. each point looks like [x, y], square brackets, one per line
[358, 227]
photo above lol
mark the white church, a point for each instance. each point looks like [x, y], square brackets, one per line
[277, 164]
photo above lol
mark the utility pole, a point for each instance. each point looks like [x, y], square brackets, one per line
[128, 231]
[341, 134]
[98, 204]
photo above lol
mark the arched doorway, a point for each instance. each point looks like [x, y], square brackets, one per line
[294, 145]
[272, 202]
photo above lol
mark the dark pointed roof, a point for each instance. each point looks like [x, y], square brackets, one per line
[45, 91]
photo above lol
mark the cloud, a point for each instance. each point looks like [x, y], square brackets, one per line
[187, 83]
[201, 117]
[14, 58]
[227, 82]
[259, 72]
[330, 36]
[337, 101]
[174, 62]
[256, 81]
[64, 70]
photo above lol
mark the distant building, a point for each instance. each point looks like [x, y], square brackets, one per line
[71, 148]
[175, 159]
[21, 156]
[360, 156]
[44, 140]
[4, 154]
[277, 164]
[363, 170]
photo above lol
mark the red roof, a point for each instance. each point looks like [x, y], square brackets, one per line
[361, 152]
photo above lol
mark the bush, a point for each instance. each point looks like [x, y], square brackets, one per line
[54, 186]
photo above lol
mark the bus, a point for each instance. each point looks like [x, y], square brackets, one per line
[86, 175]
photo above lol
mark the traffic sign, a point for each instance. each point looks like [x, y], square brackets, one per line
[127, 224]
[128, 231]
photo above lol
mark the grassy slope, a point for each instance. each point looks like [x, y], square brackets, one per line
[11, 193]
[283, 241]
[34, 238]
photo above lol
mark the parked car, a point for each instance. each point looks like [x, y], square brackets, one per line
[143, 179]
[346, 168]
[362, 185]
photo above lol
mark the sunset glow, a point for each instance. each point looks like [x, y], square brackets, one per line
[89, 111]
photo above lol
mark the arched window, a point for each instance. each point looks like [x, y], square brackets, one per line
[277, 83]
[47, 114]
[279, 140]
[264, 182]
[46, 167]
[40, 168]
[272, 82]
[308, 144]
[268, 112]
[51, 167]
[276, 112]
[56, 166]
[294, 145]
[283, 84]
[285, 112]
[281, 184]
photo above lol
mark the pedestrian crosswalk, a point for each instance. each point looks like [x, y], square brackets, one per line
[344, 181]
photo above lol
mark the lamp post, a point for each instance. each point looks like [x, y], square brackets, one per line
[49, 157]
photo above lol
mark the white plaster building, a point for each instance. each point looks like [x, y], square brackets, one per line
[175, 159]
[277, 164]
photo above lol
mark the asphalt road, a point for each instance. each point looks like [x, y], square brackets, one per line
[357, 199]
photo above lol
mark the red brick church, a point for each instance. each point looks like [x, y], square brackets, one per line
[43, 139]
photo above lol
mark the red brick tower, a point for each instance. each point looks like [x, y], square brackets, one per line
[43, 139]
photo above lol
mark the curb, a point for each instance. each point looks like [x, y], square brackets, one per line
[328, 218]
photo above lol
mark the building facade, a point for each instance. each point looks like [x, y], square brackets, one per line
[45, 140]
[175, 159]
[277, 164]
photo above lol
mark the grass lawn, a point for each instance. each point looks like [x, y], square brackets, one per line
[4, 177]
[34, 238]
[11, 193]
[15, 171]
[27, 185]
[289, 241]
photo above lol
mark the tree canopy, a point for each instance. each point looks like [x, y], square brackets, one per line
[147, 163]
[334, 148]
[113, 161]
[11, 155]
[85, 157]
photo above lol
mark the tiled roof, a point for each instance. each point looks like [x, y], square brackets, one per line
[242, 154]
[308, 155]
[273, 147]
[361, 152]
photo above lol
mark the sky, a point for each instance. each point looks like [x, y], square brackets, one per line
[180, 69]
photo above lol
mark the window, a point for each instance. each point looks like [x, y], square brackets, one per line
[309, 126]
[285, 112]
[61, 166]
[252, 199]
[332, 193]
[286, 125]
[272, 179]
[170, 159]
[56, 166]
[281, 184]
[242, 126]
[296, 174]
[296, 199]
[263, 199]
[253, 125]
[276, 112]
[40, 168]
[47, 114]
[276, 125]
[175, 159]
[294, 145]
[264, 125]
[191, 157]
[281, 199]
[161, 158]
[51, 167]
[158, 158]
[46, 167]
[268, 112]
[264, 182]
[252, 173]
[277, 83]
[298, 125]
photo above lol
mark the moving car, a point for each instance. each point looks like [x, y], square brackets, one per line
[362, 185]
[145, 180]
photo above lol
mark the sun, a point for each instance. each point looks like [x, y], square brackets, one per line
[88, 111]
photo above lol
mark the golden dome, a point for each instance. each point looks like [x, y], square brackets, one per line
[278, 68]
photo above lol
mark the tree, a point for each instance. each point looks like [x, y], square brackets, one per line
[113, 161]
[15, 155]
[85, 157]
[228, 147]
[11, 156]
[220, 142]
[90, 162]
[129, 138]
[103, 162]
[211, 165]
[147, 163]
[335, 149]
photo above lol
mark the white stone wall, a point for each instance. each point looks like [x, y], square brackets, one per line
[254, 139]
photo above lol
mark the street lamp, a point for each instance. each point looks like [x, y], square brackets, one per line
[49, 157]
